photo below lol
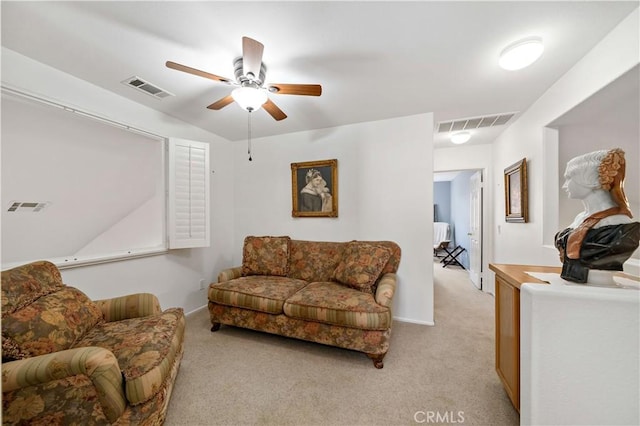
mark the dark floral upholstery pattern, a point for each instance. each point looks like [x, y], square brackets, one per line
[257, 292]
[122, 359]
[322, 311]
[52, 323]
[74, 400]
[145, 348]
[361, 265]
[314, 260]
[59, 402]
[21, 286]
[265, 256]
[333, 303]
[367, 341]
[30, 375]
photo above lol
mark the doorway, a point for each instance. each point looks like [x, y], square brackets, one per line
[458, 201]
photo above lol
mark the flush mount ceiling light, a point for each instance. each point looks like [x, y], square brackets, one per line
[460, 137]
[249, 98]
[521, 54]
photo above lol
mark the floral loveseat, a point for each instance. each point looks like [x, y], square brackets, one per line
[69, 360]
[334, 293]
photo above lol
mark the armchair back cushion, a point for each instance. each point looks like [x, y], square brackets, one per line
[23, 285]
[41, 315]
[52, 323]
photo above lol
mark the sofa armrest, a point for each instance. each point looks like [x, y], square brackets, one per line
[229, 274]
[98, 364]
[386, 289]
[131, 306]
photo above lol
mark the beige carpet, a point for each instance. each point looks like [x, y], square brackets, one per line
[432, 375]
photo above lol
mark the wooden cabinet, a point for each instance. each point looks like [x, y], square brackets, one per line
[508, 338]
[509, 278]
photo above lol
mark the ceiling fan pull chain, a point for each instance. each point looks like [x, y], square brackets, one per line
[249, 133]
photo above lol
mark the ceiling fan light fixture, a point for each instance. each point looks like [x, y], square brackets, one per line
[460, 137]
[249, 98]
[521, 54]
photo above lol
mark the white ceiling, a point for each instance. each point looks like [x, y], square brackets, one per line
[374, 60]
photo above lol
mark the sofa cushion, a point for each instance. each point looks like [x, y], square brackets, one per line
[24, 284]
[51, 323]
[314, 260]
[145, 347]
[265, 256]
[333, 303]
[257, 292]
[361, 265]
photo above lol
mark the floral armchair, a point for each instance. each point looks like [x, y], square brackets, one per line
[69, 360]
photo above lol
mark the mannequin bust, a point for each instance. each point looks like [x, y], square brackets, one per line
[603, 236]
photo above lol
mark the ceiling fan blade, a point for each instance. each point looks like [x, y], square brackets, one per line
[194, 71]
[274, 111]
[296, 89]
[251, 57]
[221, 103]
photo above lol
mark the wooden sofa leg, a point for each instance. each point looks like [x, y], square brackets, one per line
[377, 360]
[215, 326]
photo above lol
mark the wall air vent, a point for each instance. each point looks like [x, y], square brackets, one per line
[475, 122]
[27, 206]
[146, 87]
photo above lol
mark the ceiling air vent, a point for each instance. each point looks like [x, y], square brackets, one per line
[26, 206]
[146, 87]
[475, 122]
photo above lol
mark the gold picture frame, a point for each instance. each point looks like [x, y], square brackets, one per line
[515, 192]
[314, 188]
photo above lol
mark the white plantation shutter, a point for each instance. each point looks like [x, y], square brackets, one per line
[188, 219]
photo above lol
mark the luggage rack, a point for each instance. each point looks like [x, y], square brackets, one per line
[451, 257]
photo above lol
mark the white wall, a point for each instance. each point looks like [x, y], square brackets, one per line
[608, 119]
[385, 192]
[520, 243]
[175, 276]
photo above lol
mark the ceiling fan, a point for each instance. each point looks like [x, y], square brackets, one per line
[251, 92]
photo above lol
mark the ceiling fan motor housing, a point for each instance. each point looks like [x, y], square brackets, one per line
[243, 79]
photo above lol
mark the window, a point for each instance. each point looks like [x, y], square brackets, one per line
[98, 188]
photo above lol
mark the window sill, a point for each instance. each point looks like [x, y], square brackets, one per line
[73, 262]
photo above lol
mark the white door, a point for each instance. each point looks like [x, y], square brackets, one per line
[475, 229]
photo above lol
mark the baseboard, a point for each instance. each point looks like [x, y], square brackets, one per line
[412, 321]
[195, 310]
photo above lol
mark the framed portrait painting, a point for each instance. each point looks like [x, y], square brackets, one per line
[314, 188]
[515, 192]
